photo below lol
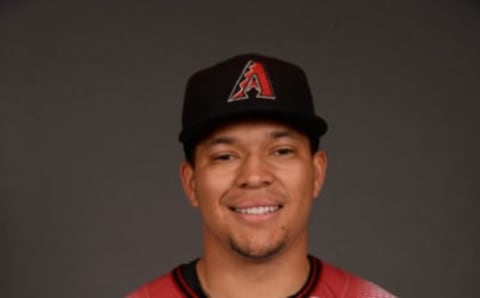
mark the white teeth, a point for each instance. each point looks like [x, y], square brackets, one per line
[257, 210]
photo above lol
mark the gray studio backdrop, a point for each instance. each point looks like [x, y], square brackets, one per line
[90, 99]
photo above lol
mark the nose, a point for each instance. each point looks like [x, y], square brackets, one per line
[253, 173]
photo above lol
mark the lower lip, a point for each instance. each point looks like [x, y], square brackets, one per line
[256, 218]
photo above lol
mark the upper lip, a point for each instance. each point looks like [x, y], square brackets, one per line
[264, 198]
[254, 203]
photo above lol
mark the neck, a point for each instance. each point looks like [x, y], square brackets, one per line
[232, 275]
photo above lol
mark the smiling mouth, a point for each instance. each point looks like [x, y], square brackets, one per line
[258, 210]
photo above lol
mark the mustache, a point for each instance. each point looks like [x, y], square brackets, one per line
[239, 195]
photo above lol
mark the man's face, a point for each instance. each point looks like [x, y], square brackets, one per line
[254, 183]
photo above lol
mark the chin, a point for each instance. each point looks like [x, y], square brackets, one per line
[256, 254]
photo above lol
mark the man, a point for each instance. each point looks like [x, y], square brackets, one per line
[253, 169]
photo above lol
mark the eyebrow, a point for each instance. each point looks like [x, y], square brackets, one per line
[282, 134]
[227, 140]
[221, 140]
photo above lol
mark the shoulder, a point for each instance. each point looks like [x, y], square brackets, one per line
[335, 282]
[163, 286]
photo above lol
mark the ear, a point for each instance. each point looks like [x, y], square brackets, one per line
[319, 170]
[188, 181]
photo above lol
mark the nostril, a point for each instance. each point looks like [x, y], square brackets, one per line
[254, 183]
[253, 174]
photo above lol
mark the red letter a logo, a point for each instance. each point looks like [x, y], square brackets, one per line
[255, 77]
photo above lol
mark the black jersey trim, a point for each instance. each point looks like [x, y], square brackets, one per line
[187, 279]
[183, 283]
[312, 279]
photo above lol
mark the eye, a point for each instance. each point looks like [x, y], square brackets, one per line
[223, 157]
[284, 151]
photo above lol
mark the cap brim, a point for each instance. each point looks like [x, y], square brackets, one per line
[311, 125]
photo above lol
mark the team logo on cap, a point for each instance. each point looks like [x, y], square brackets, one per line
[253, 76]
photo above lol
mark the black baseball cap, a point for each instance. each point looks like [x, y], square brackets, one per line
[249, 86]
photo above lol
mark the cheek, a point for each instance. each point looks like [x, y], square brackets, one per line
[211, 189]
[211, 186]
[300, 182]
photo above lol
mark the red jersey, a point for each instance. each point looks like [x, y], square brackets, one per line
[324, 281]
